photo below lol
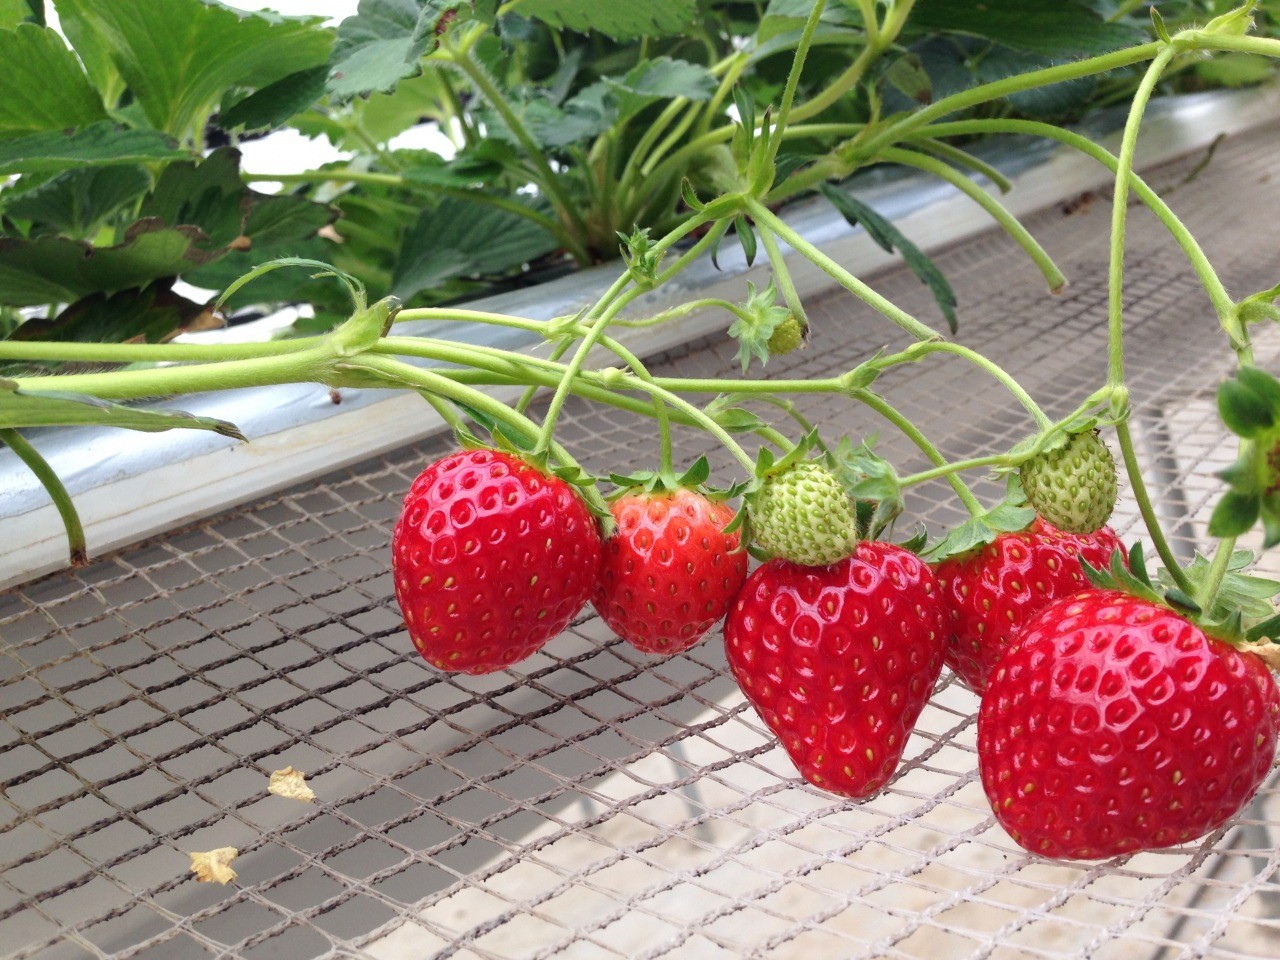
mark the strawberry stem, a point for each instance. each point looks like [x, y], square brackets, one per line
[1115, 315]
[767, 220]
[944, 171]
[912, 432]
[1217, 293]
[998, 373]
[617, 297]
[38, 465]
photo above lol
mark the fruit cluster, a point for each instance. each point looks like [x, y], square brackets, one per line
[1109, 722]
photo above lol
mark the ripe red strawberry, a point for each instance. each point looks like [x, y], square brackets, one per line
[1114, 725]
[840, 660]
[991, 591]
[669, 571]
[492, 558]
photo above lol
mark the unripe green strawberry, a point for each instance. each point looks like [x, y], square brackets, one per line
[802, 514]
[786, 336]
[1074, 486]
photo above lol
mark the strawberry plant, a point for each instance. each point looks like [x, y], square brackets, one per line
[839, 636]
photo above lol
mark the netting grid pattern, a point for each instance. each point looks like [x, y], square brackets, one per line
[595, 802]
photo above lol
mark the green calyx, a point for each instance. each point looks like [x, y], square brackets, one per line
[1241, 613]
[1249, 405]
[1073, 486]
[801, 513]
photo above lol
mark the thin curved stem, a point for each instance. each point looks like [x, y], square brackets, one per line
[1008, 222]
[882, 406]
[765, 217]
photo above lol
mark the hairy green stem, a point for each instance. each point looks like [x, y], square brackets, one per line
[988, 366]
[766, 218]
[882, 406]
[1217, 293]
[1010, 224]
[550, 181]
[76, 544]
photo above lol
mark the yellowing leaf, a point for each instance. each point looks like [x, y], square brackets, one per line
[290, 784]
[214, 866]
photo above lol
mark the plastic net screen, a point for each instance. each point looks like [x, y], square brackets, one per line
[595, 802]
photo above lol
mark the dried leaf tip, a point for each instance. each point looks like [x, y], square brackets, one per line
[214, 865]
[290, 784]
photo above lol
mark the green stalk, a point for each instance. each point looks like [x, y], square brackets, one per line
[1217, 293]
[388, 368]
[609, 305]
[869, 149]
[76, 544]
[912, 432]
[550, 181]
[782, 274]
[1115, 315]
[75, 352]
[793, 80]
[1011, 225]
[766, 218]
[990, 367]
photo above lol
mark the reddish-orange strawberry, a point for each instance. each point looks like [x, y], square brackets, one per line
[992, 590]
[491, 558]
[840, 660]
[1114, 725]
[669, 571]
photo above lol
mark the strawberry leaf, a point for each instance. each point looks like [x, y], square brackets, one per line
[890, 238]
[619, 21]
[232, 50]
[43, 86]
[95, 145]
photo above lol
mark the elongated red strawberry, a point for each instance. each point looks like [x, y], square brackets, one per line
[491, 558]
[669, 571]
[1114, 725]
[991, 591]
[840, 660]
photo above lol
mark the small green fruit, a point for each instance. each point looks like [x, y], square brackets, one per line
[786, 336]
[1074, 486]
[802, 514]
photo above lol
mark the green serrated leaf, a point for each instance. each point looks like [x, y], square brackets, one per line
[96, 145]
[619, 21]
[13, 12]
[1245, 412]
[228, 48]
[458, 239]
[42, 87]
[77, 202]
[1235, 70]
[60, 270]
[1235, 514]
[907, 75]
[376, 48]
[275, 103]
[890, 238]
[1064, 31]
[152, 314]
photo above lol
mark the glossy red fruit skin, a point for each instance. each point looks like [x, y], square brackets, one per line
[840, 660]
[1113, 725]
[991, 591]
[491, 559]
[669, 570]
